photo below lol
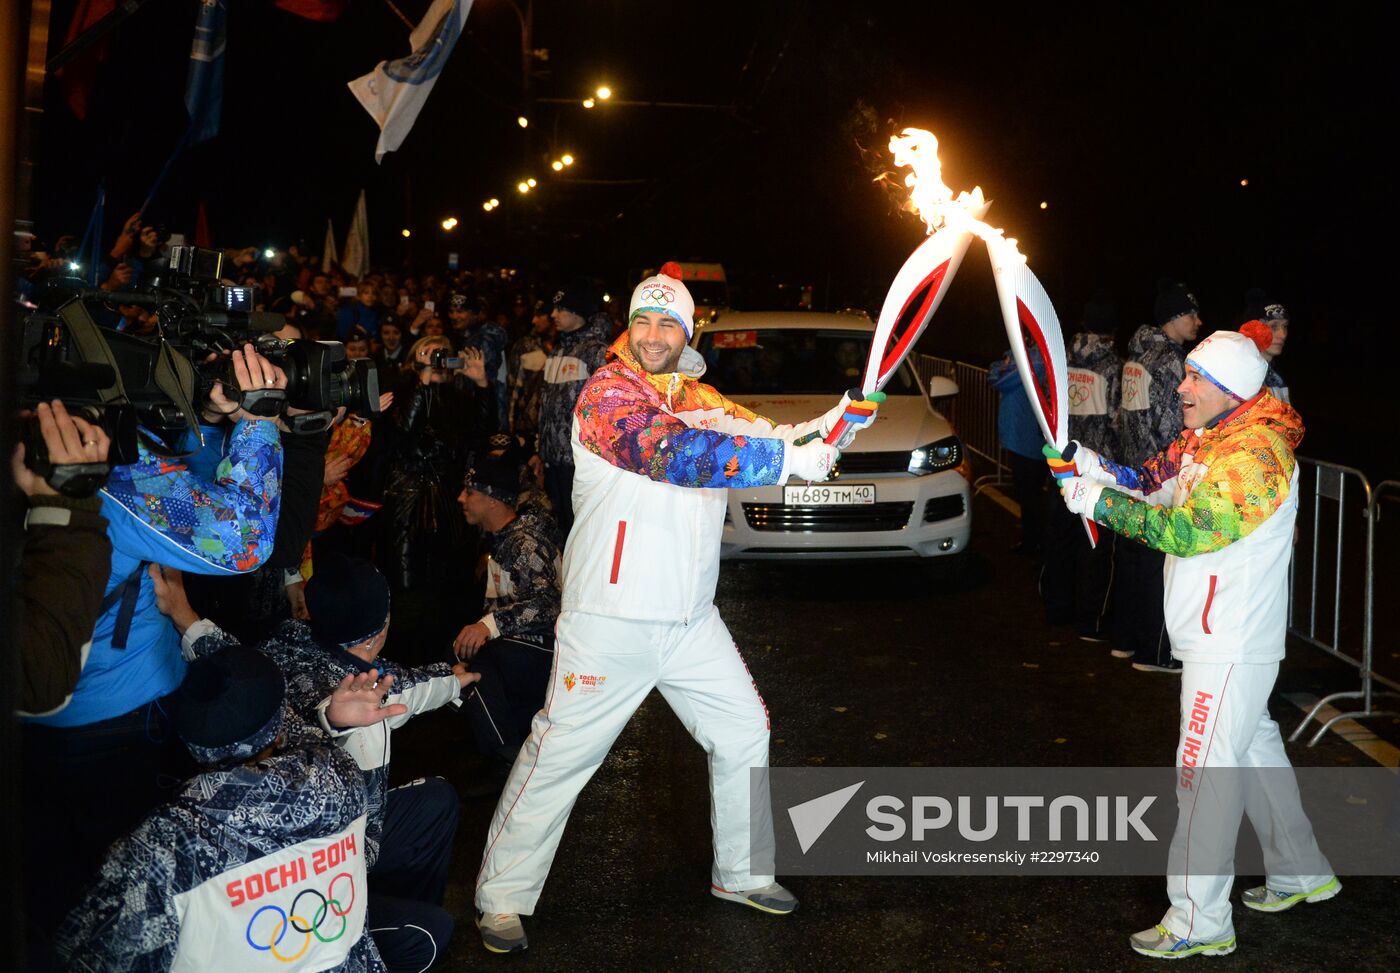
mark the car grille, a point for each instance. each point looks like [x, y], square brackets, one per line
[852, 464]
[943, 508]
[790, 517]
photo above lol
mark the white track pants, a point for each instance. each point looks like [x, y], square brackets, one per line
[603, 669]
[1225, 723]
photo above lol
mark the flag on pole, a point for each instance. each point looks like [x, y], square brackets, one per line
[90, 250]
[80, 74]
[329, 257]
[395, 91]
[321, 11]
[204, 88]
[356, 260]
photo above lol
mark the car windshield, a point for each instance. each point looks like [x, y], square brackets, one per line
[792, 361]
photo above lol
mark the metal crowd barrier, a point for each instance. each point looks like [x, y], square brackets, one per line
[973, 411]
[1326, 485]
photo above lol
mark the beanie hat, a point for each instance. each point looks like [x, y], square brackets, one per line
[1275, 312]
[496, 476]
[1259, 333]
[230, 705]
[1232, 363]
[666, 295]
[1173, 300]
[580, 297]
[1101, 315]
[348, 600]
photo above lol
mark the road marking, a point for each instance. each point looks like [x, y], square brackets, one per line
[1383, 753]
[1002, 500]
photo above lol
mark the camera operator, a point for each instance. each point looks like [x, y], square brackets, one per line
[65, 560]
[93, 768]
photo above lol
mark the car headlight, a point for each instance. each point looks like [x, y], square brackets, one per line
[941, 455]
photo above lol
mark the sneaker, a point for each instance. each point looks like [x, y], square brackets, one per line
[771, 898]
[1158, 943]
[1172, 666]
[1265, 899]
[1121, 653]
[502, 932]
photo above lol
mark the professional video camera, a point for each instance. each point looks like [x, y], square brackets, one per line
[162, 382]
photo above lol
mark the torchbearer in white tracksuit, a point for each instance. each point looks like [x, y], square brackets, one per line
[1221, 503]
[654, 451]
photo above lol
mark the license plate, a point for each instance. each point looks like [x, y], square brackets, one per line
[829, 495]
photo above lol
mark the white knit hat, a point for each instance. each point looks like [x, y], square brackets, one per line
[667, 295]
[1231, 361]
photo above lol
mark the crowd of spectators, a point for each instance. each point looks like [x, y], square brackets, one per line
[203, 635]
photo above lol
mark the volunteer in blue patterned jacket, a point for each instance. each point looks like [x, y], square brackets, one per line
[580, 349]
[655, 451]
[108, 747]
[259, 862]
[411, 827]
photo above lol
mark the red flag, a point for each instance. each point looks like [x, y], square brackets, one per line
[79, 74]
[201, 227]
[321, 11]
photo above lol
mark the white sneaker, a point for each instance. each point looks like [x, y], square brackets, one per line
[771, 898]
[1158, 943]
[502, 932]
[1265, 899]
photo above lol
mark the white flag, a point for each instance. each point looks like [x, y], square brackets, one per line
[329, 257]
[356, 259]
[394, 92]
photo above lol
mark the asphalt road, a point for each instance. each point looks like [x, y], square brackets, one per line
[937, 664]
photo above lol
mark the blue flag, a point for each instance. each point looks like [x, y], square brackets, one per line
[204, 90]
[90, 250]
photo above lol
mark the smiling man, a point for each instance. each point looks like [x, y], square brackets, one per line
[654, 452]
[1220, 503]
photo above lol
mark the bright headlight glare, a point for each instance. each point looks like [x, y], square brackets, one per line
[941, 455]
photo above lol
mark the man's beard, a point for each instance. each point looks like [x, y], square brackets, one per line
[671, 364]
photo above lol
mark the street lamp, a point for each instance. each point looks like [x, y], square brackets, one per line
[557, 166]
[449, 223]
[531, 182]
[567, 159]
[523, 122]
[405, 233]
[523, 187]
[603, 92]
[588, 103]
[486, 206]
[494, 202]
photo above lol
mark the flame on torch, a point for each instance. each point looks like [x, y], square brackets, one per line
[931, 199]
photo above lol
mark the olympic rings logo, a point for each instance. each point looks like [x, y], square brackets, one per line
[660, 295]
[290, 919]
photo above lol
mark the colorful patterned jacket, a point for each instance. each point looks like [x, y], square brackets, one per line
[312, 673]
[1220, 502]
[1095, 392]
[200, 881]
[653, 455]
[576, 356]
[159, 511]
[1151, 416]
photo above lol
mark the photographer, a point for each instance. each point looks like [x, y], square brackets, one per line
[445, 409]
[66, 558]
[92, 768]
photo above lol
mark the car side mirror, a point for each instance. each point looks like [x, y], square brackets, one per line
[942, 387]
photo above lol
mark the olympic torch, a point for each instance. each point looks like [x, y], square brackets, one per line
[1030, 317]
[922, 282]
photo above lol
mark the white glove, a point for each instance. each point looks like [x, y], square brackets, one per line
[811, 461]
[1081, 495]
[1089, 463]
[857, 408]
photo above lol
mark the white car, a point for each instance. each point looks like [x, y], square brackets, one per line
[901, 490]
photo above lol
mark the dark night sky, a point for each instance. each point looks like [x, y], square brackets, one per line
[1135, 122]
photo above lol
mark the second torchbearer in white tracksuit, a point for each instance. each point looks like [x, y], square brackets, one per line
[1220, 502]
[654, 451]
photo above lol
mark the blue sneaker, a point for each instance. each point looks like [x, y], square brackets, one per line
[1158, 943]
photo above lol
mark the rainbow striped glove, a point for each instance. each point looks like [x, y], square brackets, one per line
[857, 409]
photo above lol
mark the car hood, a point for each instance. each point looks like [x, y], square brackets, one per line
[903, 422]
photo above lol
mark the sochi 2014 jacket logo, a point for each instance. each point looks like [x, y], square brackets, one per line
[312, 916]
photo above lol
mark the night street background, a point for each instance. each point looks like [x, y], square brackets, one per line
[1135, 124]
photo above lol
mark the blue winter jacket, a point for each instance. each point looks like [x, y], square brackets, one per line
[161, 511]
